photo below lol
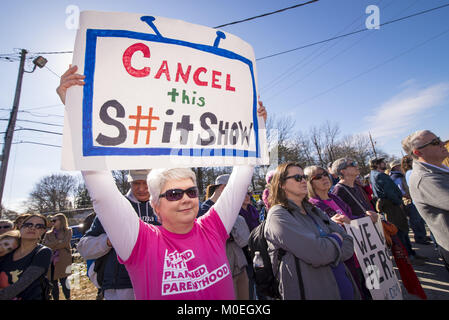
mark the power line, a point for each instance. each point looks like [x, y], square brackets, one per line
[38, 143]
[220, 26]
[265, 14]
[37, 130]
[351, 33]
[328, 61]
[46, 123]
[372, 68]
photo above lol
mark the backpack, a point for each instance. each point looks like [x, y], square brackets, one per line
[265, 280]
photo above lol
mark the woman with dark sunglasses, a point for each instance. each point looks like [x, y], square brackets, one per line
[185, 257]
[26, 267]
[349, 191]
[58, 239]
[308, 247]
[318, 185]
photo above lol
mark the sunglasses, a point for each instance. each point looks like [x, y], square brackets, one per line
[53, 220]
[177, 194]
[297, 177]
[435, 142]
[351, 164]
[30, 225]
[319, 176]
[5, 227]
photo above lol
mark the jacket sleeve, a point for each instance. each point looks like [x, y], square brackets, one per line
[31, 274]
[434, 191]
[91, 247]
[115, 212]
[347, 246]
[286, 233]
[229, 204]
[240, 232]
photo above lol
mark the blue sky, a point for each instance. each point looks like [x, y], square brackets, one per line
[391, 81]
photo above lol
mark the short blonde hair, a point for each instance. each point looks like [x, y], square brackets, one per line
[159, 177]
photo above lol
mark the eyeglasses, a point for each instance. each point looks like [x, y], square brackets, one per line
[53, 220]
[435, 142]
[30, 225]
[297, 177]
[177, 194]
[352, 164]
[5, 227]
[319, 176]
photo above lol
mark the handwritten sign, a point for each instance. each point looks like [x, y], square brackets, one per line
[161, 93]
[374, 259]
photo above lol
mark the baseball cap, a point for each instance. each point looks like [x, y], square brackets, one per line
[223, 179]
[135, 175]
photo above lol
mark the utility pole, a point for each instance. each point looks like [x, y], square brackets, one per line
[372, 144]
[11, 125]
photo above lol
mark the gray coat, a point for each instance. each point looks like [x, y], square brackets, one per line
[299, 236]
[234, 245]
[429, 189]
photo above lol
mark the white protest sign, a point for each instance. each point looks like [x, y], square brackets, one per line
[161, 93]
[374, 259]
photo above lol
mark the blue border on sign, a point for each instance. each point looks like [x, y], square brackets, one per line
[89, 68]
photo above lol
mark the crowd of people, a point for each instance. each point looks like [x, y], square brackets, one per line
[160, 242]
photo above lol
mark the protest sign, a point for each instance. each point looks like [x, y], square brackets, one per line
[160, 93]
[374, 259]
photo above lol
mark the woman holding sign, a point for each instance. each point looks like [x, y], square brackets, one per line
[318, 185]
[185, 258]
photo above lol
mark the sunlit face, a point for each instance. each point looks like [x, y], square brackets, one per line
[351, 171]
[179, 213]
[56, 223]
[431, 148]
[320, 181]
[292, 188]
[4, 227]
[247, 200]
[139, 188]
[7, 245]
[32, 228]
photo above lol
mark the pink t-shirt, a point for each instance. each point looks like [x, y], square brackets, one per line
[191, 266]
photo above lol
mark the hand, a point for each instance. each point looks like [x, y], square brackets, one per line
[262, 112]
[68, 79]
[341, 219]
[373, 215]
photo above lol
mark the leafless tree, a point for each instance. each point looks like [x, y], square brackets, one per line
[121, 180]
[52, 193]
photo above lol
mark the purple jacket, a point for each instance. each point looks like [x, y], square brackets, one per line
[329, 211]
[251, 217]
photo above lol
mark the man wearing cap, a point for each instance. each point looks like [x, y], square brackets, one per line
[139, 196]
[389, 201]
[429, 185]
[416, 222]
[112, 276]
[217, 189]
